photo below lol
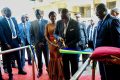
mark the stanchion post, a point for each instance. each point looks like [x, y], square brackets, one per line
[33, 68]
[93, 69]
[33, 65]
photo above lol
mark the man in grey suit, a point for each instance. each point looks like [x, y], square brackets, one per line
[83, 37]
[38, 39]
[91, 29]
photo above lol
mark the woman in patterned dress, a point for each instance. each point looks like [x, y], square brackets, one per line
[55, 67]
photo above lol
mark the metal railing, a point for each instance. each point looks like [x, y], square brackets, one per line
[12, 50]
[82, 69]
[20, 48]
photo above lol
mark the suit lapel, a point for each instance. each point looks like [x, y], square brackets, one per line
[101, 25]
[69, 26]
[5, 23]
[62, 28]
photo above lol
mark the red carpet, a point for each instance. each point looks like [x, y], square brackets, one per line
[44, 76]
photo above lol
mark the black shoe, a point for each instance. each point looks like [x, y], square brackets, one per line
[22, 72]
[1, 78]
[10, 78]
[39, 74]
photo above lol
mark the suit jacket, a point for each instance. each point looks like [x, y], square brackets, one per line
[88, 31]
[1, 17]
[36, 37]
[108, 32]
[22, 35]
[83, 35]
[5, 33]
[72, 34]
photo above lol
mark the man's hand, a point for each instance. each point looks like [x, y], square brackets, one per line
[61, 39]
[86, 45]
[40, 44]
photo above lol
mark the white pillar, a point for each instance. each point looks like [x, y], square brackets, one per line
[118, 4]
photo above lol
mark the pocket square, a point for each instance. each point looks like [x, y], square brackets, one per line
[71, 29]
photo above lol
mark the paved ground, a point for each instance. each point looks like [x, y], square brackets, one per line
[88, 70]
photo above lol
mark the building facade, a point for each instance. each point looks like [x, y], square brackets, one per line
[85, 7]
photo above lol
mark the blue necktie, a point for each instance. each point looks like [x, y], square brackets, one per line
[41, 33]
[11, 27]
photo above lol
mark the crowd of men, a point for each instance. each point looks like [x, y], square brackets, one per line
[75, 33]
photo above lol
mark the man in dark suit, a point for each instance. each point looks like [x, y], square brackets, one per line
[10, 39]
[0, 63]
[67, 30]
[108, 34]
[38, 39]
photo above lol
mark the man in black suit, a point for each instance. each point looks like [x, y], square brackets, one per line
[10, 39]
[67, 30]
[108, 34]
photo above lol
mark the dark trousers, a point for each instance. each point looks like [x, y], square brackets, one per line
[28, 52]
[102, 71]
[8, 57]
[0, 74]
[23, 54]
[90, 44]
[73, 59]
[39, 50]
[4, 61]
[85, 57]
[109, 71]
[29, 56]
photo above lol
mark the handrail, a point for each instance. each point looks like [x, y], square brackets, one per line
[20, 48]
[12, 50]
[80, 70]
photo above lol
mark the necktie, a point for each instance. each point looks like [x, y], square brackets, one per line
[90, 35]
[40, 26]
[41, 29]
[12, 28]
[25, 30]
